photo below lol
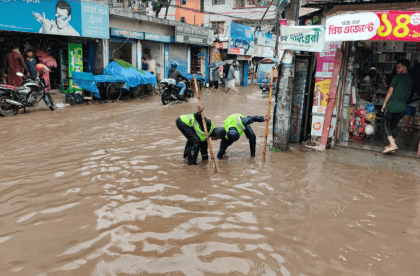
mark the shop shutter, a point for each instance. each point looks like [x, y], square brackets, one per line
[178, 53]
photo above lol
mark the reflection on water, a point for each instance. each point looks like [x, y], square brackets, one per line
[104, 190]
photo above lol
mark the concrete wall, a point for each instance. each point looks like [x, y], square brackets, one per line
[143, 26]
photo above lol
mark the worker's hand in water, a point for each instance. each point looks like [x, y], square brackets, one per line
[200, 109]
[267, 118]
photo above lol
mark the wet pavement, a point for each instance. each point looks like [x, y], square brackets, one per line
[104, 190]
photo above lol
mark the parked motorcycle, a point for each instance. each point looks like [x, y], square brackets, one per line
[28, 95]
[170, 92]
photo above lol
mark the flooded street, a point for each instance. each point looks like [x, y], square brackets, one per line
[104, 190]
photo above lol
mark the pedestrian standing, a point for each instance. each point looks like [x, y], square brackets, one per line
[232, 78]
[395, 104]
[215, 74]
[144, 65]
[191, 127]
[31, 63]
[237, 125]
[15, 64]
[152, 64]
[225, 75]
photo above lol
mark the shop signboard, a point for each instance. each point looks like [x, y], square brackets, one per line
[75, 64]
[158, 37]
[302, 38]
[220, 45]
[375, 25]
[241, 41]
[126, 34]
[325, 61]
[266, 39]
[56, 17]
[195, 35]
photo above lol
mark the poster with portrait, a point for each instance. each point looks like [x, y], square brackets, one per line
[321, 91]
[55, 17]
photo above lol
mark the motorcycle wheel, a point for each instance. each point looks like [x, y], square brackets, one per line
[138, 92]
[166, 97]
[50, 102]
[7, 109]
[113, 92]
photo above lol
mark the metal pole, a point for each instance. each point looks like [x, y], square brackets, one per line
[167, 8]
[284, 93]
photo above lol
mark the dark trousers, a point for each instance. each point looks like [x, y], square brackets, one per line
[193, 141]
[391, 122]
[225, 143]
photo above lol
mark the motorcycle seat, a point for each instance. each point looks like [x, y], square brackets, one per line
[20, 88]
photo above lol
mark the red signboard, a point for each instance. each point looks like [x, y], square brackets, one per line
[375, 25]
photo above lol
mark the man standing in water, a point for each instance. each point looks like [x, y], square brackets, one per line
[191, 127]
[395, 104]
[235, 126]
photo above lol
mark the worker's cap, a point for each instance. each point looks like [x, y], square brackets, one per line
[372, 68]
[233, 135]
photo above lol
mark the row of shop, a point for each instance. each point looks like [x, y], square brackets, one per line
[85, 37]
[353, 57]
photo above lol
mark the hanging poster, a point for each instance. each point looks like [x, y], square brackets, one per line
[266, 39]
[376, 25]
[302, 38]
[321, 91]
[325, 61]
[241, 41]
[56, 17]
[75, 64]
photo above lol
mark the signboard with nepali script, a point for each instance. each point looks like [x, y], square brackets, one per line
[302, 38]
[375, 25]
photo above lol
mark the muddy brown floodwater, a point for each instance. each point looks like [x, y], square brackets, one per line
[104, 190]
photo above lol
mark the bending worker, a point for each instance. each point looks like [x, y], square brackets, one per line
[235, 126]
[192, 127]
[177, 76]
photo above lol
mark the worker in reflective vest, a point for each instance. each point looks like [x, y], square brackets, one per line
[192, 127]
[237, 125]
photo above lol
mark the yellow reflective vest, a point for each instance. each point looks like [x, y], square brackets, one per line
[190, 121]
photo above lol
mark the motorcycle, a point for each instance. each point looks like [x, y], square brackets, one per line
[28, 95]
[170, 92]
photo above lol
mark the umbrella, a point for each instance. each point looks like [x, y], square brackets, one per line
[230, 61]
[216, 64]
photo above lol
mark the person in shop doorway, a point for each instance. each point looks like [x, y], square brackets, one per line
[413, 100]
[152, 64]
[15, 64]
[177, 76]
[225, 74]
[231, 78]
[144, 65]
[31, 63]
[191, 126]
[395, 104]
[61, 24]
[215, 75]
[237, 125]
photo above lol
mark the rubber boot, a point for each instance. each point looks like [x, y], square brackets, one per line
[192, 157]
[252, 144]
[186, 150]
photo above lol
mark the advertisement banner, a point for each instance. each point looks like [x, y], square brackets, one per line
[321, 91]
[75, 64]
[56, 17]
[325, 61]
[126, 34]
[241, 41]
[158, 37]
[376, 25]
[302, 38]
[266, 39]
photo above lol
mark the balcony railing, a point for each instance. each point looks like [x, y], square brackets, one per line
[250, 3]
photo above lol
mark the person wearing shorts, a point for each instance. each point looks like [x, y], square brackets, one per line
[231, 78]
[396, 102]
[410, 116]
[215, 74]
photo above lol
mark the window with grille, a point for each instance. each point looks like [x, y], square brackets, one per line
[218, 2]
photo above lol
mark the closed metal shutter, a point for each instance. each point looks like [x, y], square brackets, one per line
[179, 53]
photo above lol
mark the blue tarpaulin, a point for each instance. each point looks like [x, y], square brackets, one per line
[131, 75]
[113, 73]
[191, 77]
[86, 81]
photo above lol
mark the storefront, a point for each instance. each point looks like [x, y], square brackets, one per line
[123, 45]
[63, 43]
[241, 47]
[375, 38]
[154, 44]
[197, 39]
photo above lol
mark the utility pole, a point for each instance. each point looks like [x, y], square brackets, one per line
[167, 8]
[284, 89]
